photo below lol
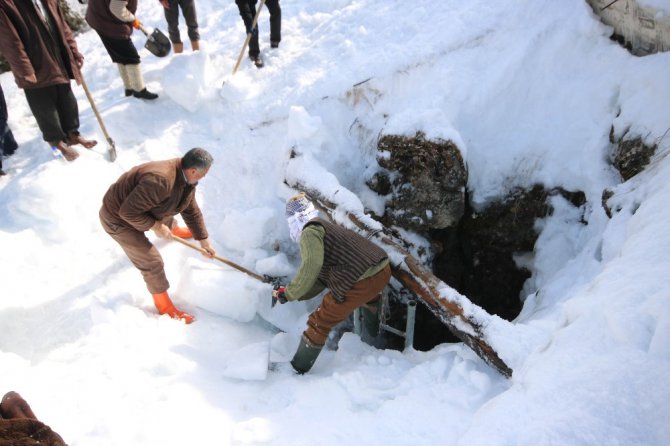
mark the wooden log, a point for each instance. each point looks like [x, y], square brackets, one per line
[442, 300]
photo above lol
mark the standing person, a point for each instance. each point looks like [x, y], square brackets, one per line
[354, 270]
[147, 197]
[8, 144]
[248, 12]
[43, 56]
[171, 9]
[114, 21]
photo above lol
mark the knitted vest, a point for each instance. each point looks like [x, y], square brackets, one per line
[347, 255]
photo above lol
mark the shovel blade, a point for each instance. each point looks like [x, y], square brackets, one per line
[158, 44]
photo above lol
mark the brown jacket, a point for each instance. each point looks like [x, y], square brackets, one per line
[105, 23]
[33, 55]
[152, 192]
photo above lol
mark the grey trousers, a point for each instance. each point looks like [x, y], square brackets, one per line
[190, 17]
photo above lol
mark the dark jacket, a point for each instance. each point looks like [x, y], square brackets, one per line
[151, 192]
[38, 58]
[101, 19]
[347, 255]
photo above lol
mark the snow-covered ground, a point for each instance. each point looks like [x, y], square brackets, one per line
[529, 89]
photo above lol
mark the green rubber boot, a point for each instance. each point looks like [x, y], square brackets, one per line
[305, 356]
[370, 318]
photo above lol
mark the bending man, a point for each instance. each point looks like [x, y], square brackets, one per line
[147, 197]
[354, 269]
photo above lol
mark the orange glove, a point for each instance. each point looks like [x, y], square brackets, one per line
[137, 24]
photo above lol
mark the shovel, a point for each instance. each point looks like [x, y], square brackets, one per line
[157, 43]
[111, 150]
[264, 278]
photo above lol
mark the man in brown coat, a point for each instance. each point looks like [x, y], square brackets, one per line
[42, 53]
[147, 197]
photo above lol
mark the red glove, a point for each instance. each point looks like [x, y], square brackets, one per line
[137, 24]
[279, 295]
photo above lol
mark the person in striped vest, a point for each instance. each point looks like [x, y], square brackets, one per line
[354, 269]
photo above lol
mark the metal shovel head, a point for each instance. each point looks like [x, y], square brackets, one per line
[158, 44]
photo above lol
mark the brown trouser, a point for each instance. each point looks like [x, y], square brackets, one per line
[141, 252]
[331, 312]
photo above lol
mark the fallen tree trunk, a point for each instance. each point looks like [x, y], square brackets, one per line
[443, 301]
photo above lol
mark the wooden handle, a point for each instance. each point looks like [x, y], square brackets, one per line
[221, 259]
[248, 38]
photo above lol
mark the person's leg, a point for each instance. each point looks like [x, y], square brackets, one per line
[8, 144]
[68, 113]
[191, 19]
[43, 104]
[331, 312]
[275, 22]
[122, 51]
[172, 19]
[145, 257]
[141, 252]
[248, 12]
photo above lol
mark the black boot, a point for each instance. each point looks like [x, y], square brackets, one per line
[257, 61]
[129, 92]
[145, 94]
[305, 356]
[370, 317]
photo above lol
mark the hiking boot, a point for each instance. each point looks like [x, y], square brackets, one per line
[178, 47]
[257, 61]
[129, 92]
[195, 45]
[145, 94]
[305, 356]
[274, 44]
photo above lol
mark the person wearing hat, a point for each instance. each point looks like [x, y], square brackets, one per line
[147, 197]
[114, 21]
[351, 267]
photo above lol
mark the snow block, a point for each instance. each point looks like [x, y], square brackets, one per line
[248, 363]
[228, 293]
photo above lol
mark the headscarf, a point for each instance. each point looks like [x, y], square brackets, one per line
[299, 211]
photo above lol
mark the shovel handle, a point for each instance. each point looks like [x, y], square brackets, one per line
[144, 30]
[221, 259]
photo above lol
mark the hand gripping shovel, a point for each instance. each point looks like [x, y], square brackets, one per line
[265, 278]
[111, 150]
[157, 43]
